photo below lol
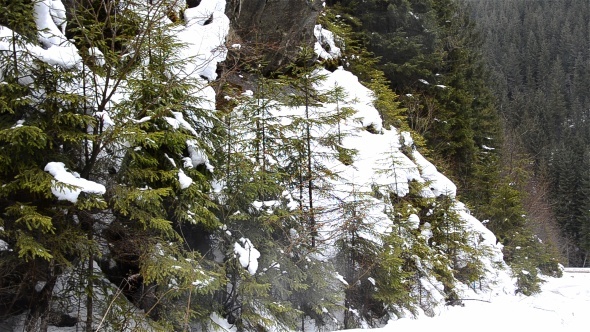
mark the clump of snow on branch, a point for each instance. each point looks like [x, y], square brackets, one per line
[197, 156]
[48, 16]
[413, 221]
[3, 245]
[184, 180]
[64, 56]
[62, 175]
[247, 254]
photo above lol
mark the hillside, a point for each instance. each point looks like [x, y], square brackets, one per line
[176, 166]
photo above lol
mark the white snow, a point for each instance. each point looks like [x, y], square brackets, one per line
[218, 323]
[98, 56]
[205, 42]
[58, 15]
[414, 221]
[426, 231]
[438, 183]
[65, 56]
[341, 278]
[62, 175]
[19, 123]
[105, 119]
[179, 122]
[46, 13]
[247, 254]
[325, 47]
[561, 306]
[184, 180]
[197, 155]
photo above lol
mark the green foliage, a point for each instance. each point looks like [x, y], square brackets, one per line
[268, 169]
[430, 52]
[18, 16]
[392, 276]
[523, 251]
[307, 164]
[68, 115]
[170, 229]
[538, 59]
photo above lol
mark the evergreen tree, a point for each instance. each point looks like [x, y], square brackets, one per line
[74, 130]
[541, 79]
[41, 122]
[310, 149]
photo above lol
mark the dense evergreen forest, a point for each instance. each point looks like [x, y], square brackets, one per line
[172, 165]
[432, 54]
[538, 55]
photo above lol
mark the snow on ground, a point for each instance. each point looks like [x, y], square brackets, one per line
[562, 305]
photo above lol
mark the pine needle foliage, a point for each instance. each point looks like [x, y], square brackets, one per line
[149, 149]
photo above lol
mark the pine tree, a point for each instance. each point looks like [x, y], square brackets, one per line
[252, 209]
[265, 166]
[310, 149]
[45, 233]
[539, 93]
[162, 182]
[139, 130]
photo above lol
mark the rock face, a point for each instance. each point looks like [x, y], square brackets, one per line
[272, 31]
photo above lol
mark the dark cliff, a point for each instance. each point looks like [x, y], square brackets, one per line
[273, 30]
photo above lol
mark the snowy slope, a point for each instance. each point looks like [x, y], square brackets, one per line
[561, 306]
[386, 161]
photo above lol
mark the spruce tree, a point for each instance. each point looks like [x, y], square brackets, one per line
[110, 154]
[38, 132]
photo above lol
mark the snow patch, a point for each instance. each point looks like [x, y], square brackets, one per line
[184, 180]
[438, 183]
[62, 175]
[3, 245]
[247, 254]
[197, 155]
[325, 47]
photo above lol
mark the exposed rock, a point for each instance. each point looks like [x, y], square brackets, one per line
[272, 31]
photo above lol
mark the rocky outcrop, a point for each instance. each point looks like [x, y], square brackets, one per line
[272, 31]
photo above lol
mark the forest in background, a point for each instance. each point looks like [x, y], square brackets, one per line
[519, 74]
[538, 57]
